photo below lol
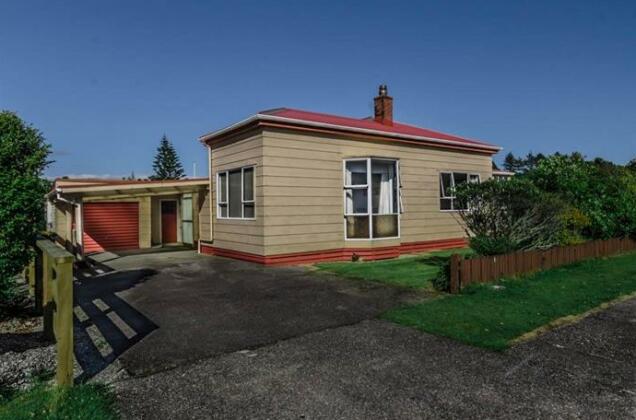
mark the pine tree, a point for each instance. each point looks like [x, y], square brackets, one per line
[511, 163]
[167, 164]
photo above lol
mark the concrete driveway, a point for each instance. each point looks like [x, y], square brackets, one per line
[158, 311]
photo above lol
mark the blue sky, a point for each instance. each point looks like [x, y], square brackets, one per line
[104, 80]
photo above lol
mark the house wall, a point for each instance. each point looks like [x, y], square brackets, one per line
[204, 216]
[63, 220]
[299, 193]
[302, 190]
[236, 234]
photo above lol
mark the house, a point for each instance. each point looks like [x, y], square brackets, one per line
[502, 175]
[96, 215]
[291, 186]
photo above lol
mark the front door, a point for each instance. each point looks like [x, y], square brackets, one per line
[169, 222]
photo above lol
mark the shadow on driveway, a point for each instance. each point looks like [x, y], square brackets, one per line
[105, 326]
[185, 307]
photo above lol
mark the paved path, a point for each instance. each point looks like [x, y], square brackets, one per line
[377, 370]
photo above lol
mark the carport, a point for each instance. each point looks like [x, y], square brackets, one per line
[97, 215]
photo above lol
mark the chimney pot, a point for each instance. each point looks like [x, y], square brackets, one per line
[383, 106]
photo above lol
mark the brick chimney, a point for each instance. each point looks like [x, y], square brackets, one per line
[383, 106]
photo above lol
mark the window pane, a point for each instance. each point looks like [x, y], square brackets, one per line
[385, 226]
[446, 204]
[460, 178]
[248, 184]
[474, 179]
[222, 188]
[248, 210]
[445, 185]
[356, 172]
[357, 226]
[356, 201]
[383, 186]
[235, 194]
[223, 210]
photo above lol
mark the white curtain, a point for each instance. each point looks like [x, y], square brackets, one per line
[387, 180]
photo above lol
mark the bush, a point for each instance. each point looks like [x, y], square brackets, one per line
[509, 216]
[441, 282]
[486, 245]
[23, 157]
[604, 193]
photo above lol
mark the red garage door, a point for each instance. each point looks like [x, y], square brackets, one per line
[110, 226]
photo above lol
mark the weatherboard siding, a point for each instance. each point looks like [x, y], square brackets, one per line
[302, 188]
[238, 234]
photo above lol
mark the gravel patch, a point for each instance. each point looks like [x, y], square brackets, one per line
[24, 352]
[19, 370]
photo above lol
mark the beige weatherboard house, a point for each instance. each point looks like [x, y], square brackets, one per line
[290, 186]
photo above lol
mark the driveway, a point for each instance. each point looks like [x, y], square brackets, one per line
[377, 370]
[156, 311]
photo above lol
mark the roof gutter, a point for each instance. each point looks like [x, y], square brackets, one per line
[56, 195]
[263, 117]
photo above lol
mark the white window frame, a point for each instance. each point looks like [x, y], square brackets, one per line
[453, 197]
[219, 203]
[369, 187]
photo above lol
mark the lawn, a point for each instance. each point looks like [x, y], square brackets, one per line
[89, 402]
[491, 317]
[415, 271]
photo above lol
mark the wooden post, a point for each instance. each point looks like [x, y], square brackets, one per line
[63, 322]
[47, 296]
[455, 285]
[57, 296]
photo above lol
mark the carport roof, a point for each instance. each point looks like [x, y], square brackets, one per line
[97, 186]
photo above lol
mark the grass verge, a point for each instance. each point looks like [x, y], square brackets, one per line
[414, 271]
[81, 402]
[492, 317]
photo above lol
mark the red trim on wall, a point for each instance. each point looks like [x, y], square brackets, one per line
[342, 254]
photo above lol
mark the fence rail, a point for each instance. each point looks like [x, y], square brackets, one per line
[486, 269]
[50, 279]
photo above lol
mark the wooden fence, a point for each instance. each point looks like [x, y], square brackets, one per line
[486, 269]
[50, 279]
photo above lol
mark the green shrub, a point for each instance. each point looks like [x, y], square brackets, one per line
[487, 245]
[509, 216]
[441, 282]
[23, 157]
[604, 193]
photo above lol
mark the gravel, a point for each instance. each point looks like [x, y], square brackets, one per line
[25, 355]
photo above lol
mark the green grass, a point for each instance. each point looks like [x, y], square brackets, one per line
[409, 271]
[489, 317]
[89, 402]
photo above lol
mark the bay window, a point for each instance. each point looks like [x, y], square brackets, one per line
[371, 192]
[448, 181]
[235, 194]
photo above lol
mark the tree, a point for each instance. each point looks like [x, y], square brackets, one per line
[631, 165]
[23, 157]
[167, 164]
[512, 163]
[604, 193]
[522, 165]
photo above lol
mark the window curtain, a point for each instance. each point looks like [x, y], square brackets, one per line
[387, 180]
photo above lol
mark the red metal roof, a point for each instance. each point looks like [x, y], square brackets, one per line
[370, 124]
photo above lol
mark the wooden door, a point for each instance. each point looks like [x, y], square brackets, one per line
[168, 222]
